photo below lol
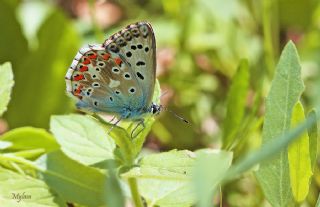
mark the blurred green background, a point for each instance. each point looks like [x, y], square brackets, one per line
[199, 46]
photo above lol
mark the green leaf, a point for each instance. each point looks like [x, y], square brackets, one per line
[285, 91]
[114, 195]
[313, 140]
[299, 158]
[6, 83]
[318, 201]
[28, 138]
[34, 192]
[73, 181]
[236, 104]
[270, 150]
[207, 175]
[40, 86]
[82, 138]
[165, 179]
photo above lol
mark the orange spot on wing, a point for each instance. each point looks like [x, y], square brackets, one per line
[78, 77]
[118, 61]
[84, 68]
[86, 61]
[93, 56]
[78, 91]
[106, 56]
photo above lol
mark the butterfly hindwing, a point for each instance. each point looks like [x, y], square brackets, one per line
[116, 76]
[94, 79]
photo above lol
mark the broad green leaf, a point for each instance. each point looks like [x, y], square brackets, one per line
[33, 192]
[73, 181]
[299, 158]
[207, 175]
[285, 91]
[6, 83]
[236, 104]
[82, 138]
[28, 138]
[165, 179]
[114, 195]
[138, 141]
[313, 140]
[269, 150]
[40, 86]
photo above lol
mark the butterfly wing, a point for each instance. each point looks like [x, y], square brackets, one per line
[94, 80]
[136, 45]
[117, 76]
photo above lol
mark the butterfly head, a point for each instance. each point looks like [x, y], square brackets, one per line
[155, 109]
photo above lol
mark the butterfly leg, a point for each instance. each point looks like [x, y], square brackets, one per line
[115, 124]
[141, 122]
[112, 119]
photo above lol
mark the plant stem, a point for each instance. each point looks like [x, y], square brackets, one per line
[269, 10]
[125, 144]
[135, 192]
[20, 160]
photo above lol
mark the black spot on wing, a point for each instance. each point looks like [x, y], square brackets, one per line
[140, 75]
[140, 63]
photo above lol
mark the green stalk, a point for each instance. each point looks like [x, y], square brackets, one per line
[20, 160]
[135, 192]
[125, 145]
[270, 31]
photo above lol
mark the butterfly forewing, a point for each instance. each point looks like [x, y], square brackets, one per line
[116, 75]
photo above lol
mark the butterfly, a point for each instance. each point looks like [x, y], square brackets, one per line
[118, 76]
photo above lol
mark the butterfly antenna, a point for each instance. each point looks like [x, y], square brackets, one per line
[176, 115]
[164, 93]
